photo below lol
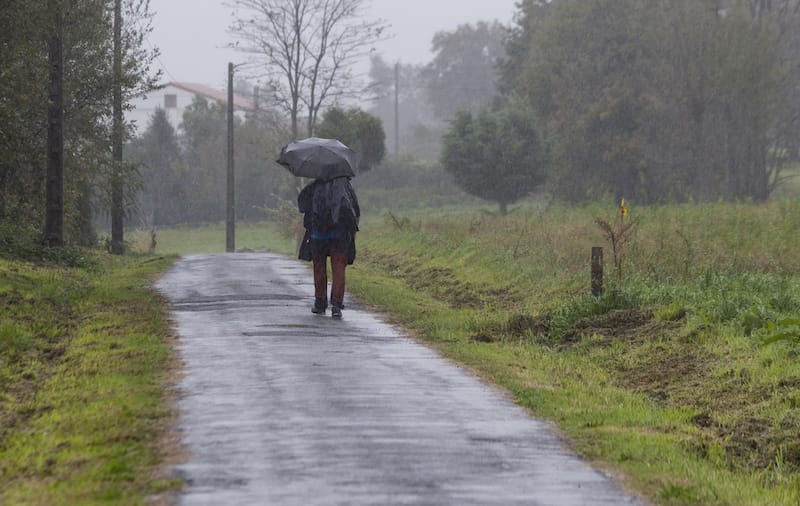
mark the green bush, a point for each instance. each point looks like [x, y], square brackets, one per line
[23, 242]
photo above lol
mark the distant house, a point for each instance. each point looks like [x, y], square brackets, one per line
[174, 98]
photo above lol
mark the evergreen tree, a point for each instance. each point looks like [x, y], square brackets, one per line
[496, 156]
[158, 157]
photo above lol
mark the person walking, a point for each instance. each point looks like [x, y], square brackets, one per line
[331, 215]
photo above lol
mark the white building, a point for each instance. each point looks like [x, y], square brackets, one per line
[174, 98]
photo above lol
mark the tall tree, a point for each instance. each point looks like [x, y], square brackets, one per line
[498, 156]
[663, 99]
[306, 49]
[158, 156]
[54, 222]
[117, 138]
[359, 130]
[463, 73]
[181, 179]
[25, 27]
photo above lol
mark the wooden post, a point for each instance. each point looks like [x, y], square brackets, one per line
[597, 271]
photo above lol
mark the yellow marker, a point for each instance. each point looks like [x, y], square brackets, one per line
[623, 208]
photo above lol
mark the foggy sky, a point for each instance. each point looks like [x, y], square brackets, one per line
[191, 34]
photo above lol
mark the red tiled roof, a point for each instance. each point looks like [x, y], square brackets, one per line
[239, 102]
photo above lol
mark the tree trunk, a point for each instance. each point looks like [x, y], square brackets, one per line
[117, 196]
[294, 125]
[54, 223]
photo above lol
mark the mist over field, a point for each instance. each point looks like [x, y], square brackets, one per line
[655, 102]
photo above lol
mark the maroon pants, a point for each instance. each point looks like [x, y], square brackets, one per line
[338, 265]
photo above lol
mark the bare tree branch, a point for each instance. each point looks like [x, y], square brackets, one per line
[305, 48]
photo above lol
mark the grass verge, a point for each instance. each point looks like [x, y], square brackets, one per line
[664, 379]
[84, 365]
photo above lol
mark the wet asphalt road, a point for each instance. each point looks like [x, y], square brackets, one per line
[280, 406]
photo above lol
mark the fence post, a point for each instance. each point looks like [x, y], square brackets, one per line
[597, 271]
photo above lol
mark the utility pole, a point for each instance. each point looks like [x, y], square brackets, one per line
[117, 197]
[230, 222]
[397, 109]
[54, 217]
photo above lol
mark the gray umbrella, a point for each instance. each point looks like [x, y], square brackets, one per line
[319, 158]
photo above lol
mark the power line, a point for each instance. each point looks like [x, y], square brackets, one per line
[158, 57]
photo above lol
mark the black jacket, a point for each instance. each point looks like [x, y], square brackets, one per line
[326, 204]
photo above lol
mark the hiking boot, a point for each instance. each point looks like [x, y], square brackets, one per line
[336, 308]
[320, 305]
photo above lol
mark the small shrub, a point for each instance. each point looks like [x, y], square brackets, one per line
[288, 219]
[398, 222]
[20, 242]
[619, 235]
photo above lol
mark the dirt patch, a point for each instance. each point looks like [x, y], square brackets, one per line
[683, 374]
[789, 383]
[747, 441]
[484, 337]
[759, 443]
[521, 325]
[628, 325]
[669, 374]
[620, 324]
[518, 326]
[703, 420]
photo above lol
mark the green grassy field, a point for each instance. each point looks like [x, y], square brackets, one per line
[84, 369]
[211, 239]
[664, 379]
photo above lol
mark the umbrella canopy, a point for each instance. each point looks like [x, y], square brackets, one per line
[319, 158]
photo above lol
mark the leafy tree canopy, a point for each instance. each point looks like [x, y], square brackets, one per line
[463, 73]
[25, 26]
[660, 100]
[497, 156]
[359, 130]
